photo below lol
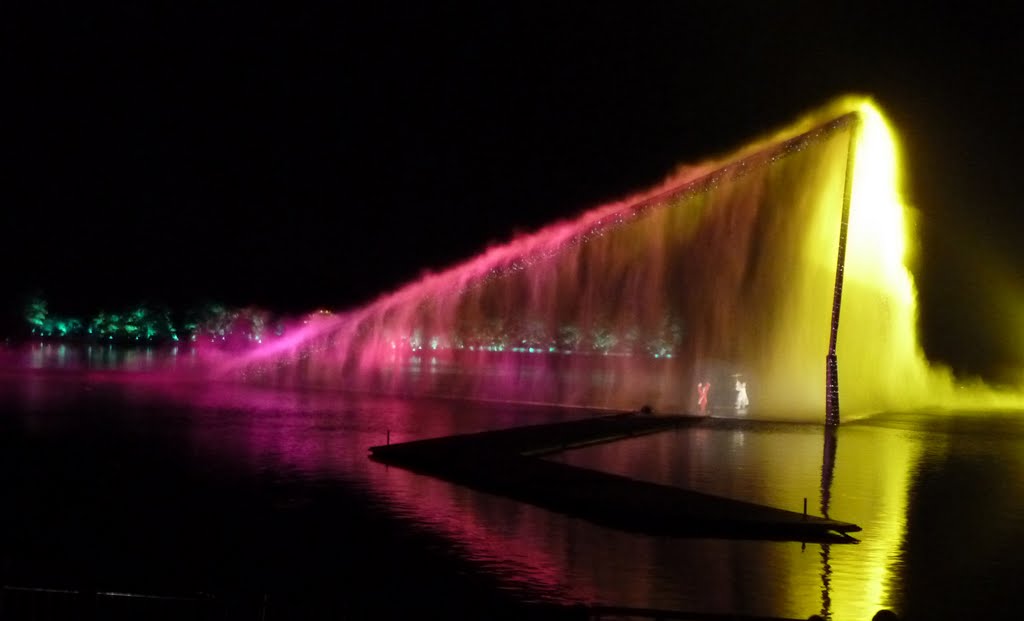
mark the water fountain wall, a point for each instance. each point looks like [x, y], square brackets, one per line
[723, 272]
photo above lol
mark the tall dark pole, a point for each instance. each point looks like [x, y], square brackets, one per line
[831, 364]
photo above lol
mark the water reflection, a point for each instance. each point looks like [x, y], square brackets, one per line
[937, 495]
[863, 478]
[101, 357]
[828, 466]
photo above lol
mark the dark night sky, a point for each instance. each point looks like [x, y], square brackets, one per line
[315, 154]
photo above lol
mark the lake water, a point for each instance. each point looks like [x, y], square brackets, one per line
[135, 482]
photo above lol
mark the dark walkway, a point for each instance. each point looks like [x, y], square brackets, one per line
[506, 463]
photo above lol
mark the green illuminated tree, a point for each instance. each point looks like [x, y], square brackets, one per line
[36, 314]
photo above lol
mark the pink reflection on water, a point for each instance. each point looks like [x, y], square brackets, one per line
[310, 438]
[549, 556]
[305, 440]
[328, 434]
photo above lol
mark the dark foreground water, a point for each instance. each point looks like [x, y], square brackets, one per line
[266, 500]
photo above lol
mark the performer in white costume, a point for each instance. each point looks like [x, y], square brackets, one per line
[741, 396]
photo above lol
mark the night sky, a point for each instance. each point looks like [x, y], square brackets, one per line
[316, 154]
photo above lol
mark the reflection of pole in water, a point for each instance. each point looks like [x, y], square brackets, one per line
[828, 465]
[826, 581]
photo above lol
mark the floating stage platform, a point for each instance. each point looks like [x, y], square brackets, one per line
[509, 463]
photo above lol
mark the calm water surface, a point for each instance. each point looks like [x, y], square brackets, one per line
[127, 481]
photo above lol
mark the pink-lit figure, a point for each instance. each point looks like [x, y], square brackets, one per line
[702, 396]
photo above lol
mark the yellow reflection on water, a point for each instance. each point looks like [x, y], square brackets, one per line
[874, 473]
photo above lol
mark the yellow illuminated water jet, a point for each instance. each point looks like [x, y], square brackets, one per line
[883, 290]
